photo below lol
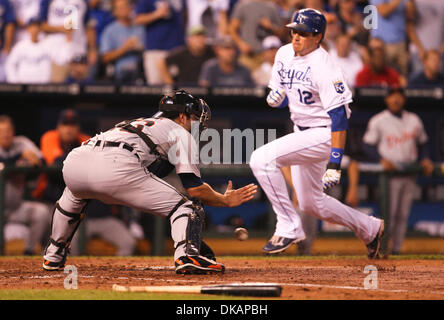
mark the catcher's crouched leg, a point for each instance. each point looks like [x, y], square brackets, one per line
[64, 224]
[192, 255]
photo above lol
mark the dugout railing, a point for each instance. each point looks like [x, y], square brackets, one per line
[159, 237]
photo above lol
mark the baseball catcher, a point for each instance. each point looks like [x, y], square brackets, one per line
[125, 166]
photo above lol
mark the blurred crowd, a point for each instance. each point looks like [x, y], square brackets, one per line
[29, 206]
[213, 42]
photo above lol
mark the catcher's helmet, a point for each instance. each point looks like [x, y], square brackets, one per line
[181, 101]
[308, 20]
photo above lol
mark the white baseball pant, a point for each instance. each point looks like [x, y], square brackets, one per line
[307, 152]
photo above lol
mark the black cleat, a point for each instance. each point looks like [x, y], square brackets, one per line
[374, 246]
[197, 265]
[53, 266]
[278, 244]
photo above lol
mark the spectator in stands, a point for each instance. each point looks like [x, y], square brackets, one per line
[346, 56]
[432, 75]
[396, 138]
[315, 4]
[182, 66]
[24, 10]
[122, 44]
[351, 21]
[251, 22]
[212, 15]
[224, 70]
[332, 31]
[7, 31]
[79, 71]
[31, 60]
[392, 29]
[100, 15]
[59, 23]
[270, 46]
[55, 146]
[25, 219]
[163, 23]
[287, 8]
[426, 33]
[377, 73]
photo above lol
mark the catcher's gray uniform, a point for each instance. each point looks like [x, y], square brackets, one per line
[118, 175]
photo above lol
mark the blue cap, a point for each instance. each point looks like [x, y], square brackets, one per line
[308, 20]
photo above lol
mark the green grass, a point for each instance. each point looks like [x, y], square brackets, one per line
[59, 294]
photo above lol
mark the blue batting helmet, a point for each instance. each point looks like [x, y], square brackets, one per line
[308, 20]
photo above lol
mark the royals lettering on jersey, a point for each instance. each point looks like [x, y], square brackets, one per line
[313, 83]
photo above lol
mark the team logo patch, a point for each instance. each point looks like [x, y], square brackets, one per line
[335, 154]
[339, 86]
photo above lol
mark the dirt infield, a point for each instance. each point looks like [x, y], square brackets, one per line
[332, 277]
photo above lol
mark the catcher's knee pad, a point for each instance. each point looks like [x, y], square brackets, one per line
[193, 235]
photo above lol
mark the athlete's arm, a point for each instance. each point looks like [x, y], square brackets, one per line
[339, 127]
[231, 197]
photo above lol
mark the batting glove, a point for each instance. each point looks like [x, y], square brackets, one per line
[275, 98]
[331, 178]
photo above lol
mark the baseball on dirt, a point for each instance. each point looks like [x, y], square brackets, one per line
[241, 234]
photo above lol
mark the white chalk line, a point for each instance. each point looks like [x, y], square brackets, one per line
[307, 285]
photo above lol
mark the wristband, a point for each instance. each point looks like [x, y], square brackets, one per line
[335, 158]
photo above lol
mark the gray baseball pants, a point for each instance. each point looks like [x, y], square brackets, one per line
[114, 176]
[401, 199]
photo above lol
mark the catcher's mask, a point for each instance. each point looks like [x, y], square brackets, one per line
[181, 101]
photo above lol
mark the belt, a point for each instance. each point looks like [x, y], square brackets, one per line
[305, 128]
[113, 144]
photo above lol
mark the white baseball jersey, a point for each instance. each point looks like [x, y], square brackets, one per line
[30, 62]
[25, 10]
[396, 137]
[313, 83]
[60, 13]
[173, 141]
